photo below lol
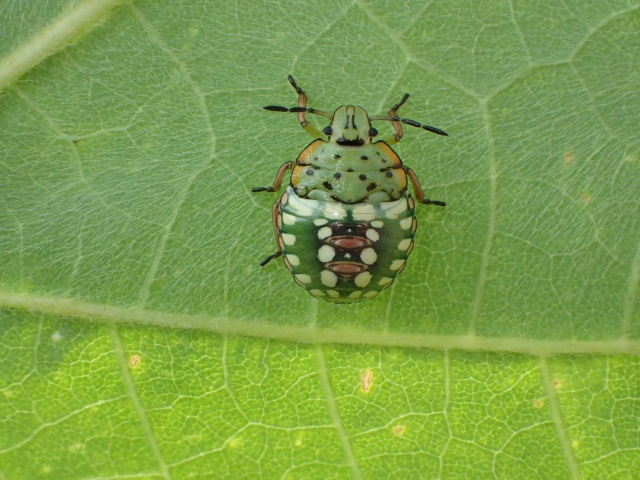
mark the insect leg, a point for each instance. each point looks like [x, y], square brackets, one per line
[269, 258]
[301, 109]
[274, 217]
[418, 189]
[302, 105]
[277, 182]
[397, 126]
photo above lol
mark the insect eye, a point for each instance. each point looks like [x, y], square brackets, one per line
[373, 132]
[327, 130]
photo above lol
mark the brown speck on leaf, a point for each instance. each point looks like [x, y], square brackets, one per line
[569, 157]
[134, 361]
[366, 381]
[399, 430]
[584, 198]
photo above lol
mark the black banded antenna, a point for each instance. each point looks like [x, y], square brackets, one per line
[277, 108]
[406, 121]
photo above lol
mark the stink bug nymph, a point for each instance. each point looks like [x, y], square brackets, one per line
[345, 224]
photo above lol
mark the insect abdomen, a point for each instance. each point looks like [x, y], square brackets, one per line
[345, 253]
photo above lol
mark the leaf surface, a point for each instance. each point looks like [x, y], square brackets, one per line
[141, 339]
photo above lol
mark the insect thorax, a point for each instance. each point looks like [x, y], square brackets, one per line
[370, 173]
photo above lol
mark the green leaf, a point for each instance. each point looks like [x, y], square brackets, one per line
[140, 338]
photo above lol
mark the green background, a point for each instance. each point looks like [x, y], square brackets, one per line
[139, 338]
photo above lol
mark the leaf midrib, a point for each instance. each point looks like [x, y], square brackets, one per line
[101, 313]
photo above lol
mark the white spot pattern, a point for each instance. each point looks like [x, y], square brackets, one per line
[368, 256]
[288, 238]
[326, 253]
[303, 207]
[328, 278]
[372, 235]
[396, 264]
[404, 244]
[405, 223]
[288, 219]
[362, 279]
[303, 277]
[334, 211]
[364, 213]
[393, 209]
[324, 232]
[293, 260]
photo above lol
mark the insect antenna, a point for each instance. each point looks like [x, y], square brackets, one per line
[276, 108]
[407, 121]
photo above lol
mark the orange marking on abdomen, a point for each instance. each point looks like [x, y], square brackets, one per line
[349, 243]
[346, 269]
